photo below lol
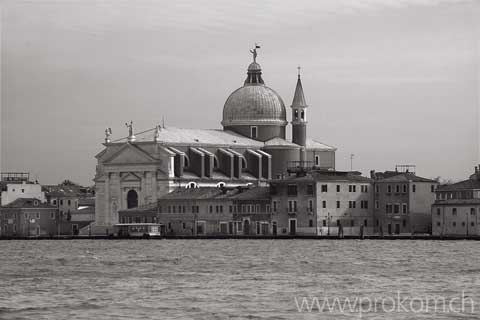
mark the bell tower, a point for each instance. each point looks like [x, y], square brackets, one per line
[299, 118]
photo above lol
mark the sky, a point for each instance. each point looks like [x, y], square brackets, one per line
[390, 81]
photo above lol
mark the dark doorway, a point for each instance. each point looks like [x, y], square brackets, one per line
[389, 228]
[274, 228]
[397, 228]
[132, 199]
[293, 227]
[246, 227]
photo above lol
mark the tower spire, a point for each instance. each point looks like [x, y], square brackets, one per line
[299, 97]
[299, 117]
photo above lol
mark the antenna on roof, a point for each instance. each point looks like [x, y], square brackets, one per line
[163, 122]
[351, 161]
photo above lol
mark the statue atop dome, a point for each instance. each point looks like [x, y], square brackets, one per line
[254, 52]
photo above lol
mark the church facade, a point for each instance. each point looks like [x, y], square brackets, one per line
[251, 149]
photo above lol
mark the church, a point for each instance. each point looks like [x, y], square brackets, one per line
[251, 149]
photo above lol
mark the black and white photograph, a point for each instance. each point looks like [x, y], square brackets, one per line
[221, 159]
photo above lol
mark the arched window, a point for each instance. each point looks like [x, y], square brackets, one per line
[132, 199]
[302, 115]
[244, 163]
[192, 185]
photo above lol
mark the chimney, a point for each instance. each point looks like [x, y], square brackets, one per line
[372, 174]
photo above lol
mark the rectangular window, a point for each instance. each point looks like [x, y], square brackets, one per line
[365, 222]
[324, 222]
[338, 204]
[61, 202]
[377, 189]
[317, 161]
[292, 206]
[472, 211]
[389, 208]
[253, 132]
[257, 208]
[432, 188]
[210, 209]
[414, 188]
[310, 223]
[292, 190]
[52, 215]
[350, 188]
[310, 205]
[324, 188]
[404, 208]
[324, 204]
[404, 188]
[396, 208]
[230, 209]
[38, 215]
[389, 189]
[338, 188]
[267, 207]
[69, 202]
[454, 211]
[274, 206]
[309, 189]
[377, 205]
[397, 188]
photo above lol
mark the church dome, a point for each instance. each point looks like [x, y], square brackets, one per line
[254, 103]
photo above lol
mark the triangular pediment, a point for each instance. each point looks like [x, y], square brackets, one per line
[129, 154]
[131, 177]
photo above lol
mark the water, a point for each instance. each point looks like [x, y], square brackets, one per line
[229, 279]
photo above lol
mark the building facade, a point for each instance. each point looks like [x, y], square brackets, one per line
[403, 202]
[208, 211]
[28, 217]
[456, 209]
[323, 203]
[22, 189]
[251, 149]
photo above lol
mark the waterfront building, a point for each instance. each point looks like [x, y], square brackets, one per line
[207, 211]
[456, 209]
[13, 190]
[25, 217]
[251, 149]
[403, 202]
[75, 205]
[321, 202]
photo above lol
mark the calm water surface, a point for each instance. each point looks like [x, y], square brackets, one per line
[228, 279]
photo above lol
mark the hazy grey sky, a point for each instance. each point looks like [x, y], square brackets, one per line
[391, 81]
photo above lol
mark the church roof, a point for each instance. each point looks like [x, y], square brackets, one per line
[218, 137]
[282, 143]
[317, 145]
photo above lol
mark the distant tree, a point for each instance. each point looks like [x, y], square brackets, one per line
[67, 182]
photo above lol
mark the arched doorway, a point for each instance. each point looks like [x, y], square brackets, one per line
[246, 227]
[132, 199]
